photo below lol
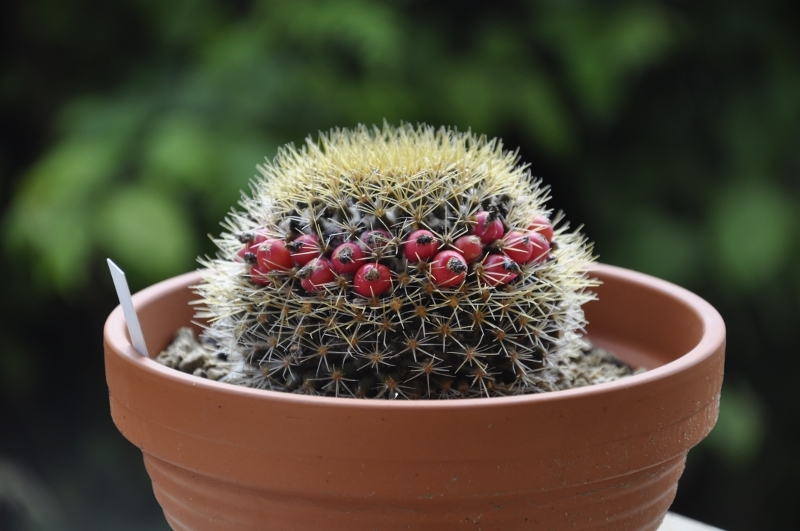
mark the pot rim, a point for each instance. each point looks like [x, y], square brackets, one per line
[713, 336]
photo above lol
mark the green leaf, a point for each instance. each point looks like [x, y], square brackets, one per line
[660, 246]
[754, 227]
[48, 218]
[238, 156]
[70, 173]
[179, 151]
[740, 429]
[58, 244]
[370, 29]
[472, 95]
[545, 117]
[602, 47]
[116, 120]
[147, 232]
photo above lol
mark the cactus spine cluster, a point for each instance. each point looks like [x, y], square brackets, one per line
[396, 262]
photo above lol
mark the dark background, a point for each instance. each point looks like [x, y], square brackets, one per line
[670, 129]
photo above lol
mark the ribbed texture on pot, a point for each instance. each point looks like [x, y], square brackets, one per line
[635, 501]
[602, 457]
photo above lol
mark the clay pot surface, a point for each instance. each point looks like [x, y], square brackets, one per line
[223, 457]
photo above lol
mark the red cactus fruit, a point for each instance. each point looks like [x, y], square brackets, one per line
[543, 226]
[304, 248]
[372, 280]
[272, 255]
[421, 245]
[518, 246]
[257, 276]
[541, 248]
[250, 246]
[470, 247]
[315, 274]
[347, 258]
[375, 239]
[449, 268]
[498, 269]
[488, 227]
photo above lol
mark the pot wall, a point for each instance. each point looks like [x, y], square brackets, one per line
[602, 457]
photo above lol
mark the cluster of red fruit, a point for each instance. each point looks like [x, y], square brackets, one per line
[507, 252]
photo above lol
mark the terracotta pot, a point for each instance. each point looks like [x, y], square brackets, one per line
[602, 457]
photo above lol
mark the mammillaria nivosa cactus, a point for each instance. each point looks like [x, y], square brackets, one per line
[397, 262]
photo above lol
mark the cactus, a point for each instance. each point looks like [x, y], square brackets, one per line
[397, 262]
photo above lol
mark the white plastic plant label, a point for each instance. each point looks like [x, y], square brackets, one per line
[124, 295]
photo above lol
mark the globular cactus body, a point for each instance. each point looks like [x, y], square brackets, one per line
[397, 263]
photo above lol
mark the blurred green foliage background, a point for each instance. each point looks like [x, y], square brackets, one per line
[671, 129]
